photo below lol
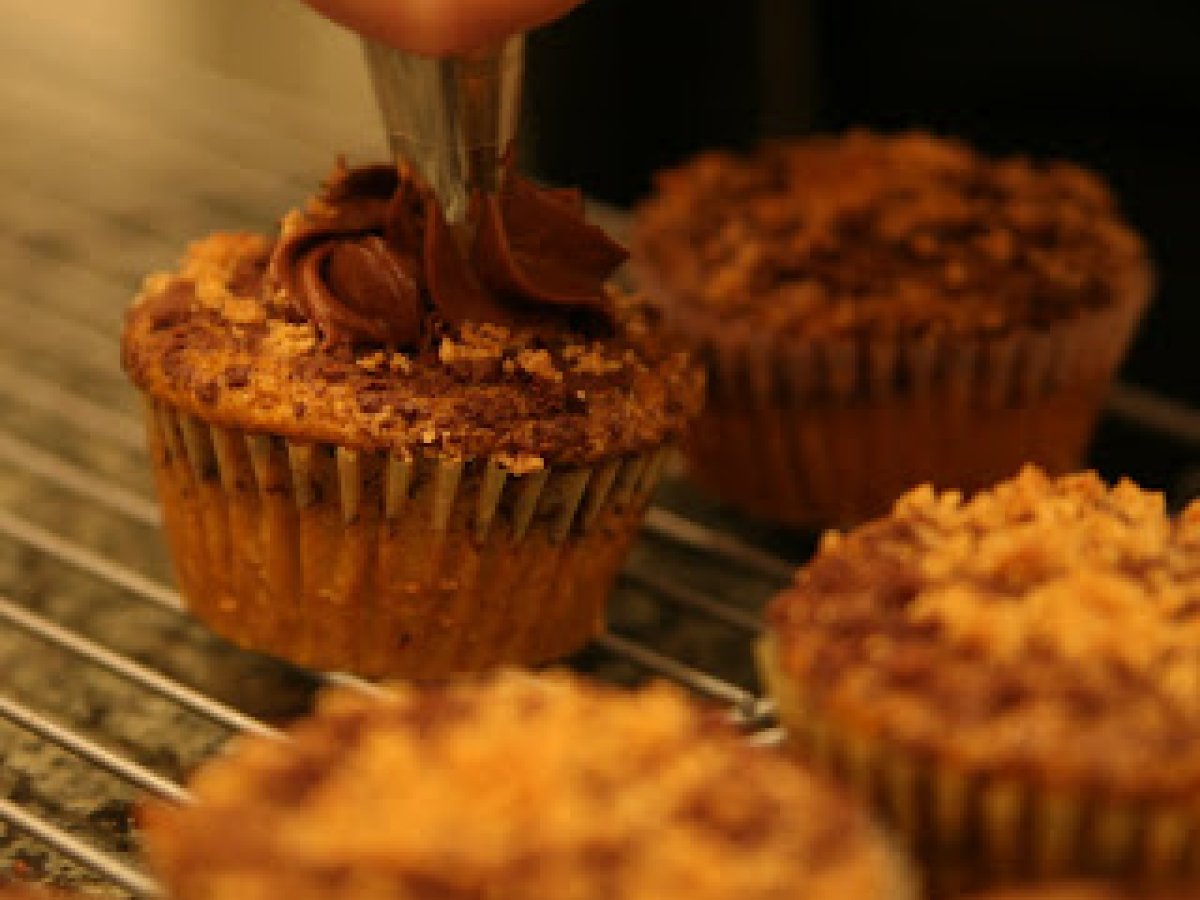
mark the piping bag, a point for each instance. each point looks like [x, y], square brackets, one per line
[452, 119]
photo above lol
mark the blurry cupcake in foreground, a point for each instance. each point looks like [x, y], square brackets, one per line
[1013, 680]
[380, 453]
[516, 788]
[878, 312]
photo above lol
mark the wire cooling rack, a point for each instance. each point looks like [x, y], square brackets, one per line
[83, 566]
[107, 692]
[745, 707]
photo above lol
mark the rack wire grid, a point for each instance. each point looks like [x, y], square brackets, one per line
[107, 691]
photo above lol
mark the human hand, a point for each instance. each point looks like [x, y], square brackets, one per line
[441, 27]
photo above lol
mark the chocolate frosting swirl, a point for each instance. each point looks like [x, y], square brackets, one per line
[373, 260]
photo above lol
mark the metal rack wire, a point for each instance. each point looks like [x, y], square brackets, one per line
[751, 711]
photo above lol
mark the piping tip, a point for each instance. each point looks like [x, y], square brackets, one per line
[452, 119]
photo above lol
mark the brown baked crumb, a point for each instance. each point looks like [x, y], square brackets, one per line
[372, 362]
[905, 234]
[539, 364]
[516, 787]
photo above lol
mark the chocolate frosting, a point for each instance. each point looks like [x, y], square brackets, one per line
[373, 260]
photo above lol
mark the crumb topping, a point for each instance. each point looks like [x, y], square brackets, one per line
[542, 788]
[1071, 564]
[210, 339]
[867, 234]
[1044, 612]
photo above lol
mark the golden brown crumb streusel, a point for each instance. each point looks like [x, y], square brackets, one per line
[1050, 626]
[515, 788]
[896, 235]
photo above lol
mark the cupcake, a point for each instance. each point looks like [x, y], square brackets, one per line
[880, 312]
[1012, 680]
[378, 451]
[520, 788]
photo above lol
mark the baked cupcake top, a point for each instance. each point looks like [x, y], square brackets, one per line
[1048, 626]
[370, 322]
[885, 235]
[516, 787]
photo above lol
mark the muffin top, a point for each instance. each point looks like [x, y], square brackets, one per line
[885, 235]
[1048, 626]
[516, 787]
[368, 321]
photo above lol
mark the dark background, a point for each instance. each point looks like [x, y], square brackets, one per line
[630, 86]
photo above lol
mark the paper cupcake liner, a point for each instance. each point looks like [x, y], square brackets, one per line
[977, 829]
[818, 432]
[382, 564]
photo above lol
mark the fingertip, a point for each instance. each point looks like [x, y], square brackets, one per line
[441, 27]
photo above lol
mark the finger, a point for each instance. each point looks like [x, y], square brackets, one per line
[441, 27]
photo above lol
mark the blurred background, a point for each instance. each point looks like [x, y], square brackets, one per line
[1111, 83]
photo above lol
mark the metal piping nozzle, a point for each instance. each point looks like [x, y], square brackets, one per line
[452, 119]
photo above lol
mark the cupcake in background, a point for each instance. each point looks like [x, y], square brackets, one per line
[378, 452]
[879, 312]
[526, 789]
[1012, 680]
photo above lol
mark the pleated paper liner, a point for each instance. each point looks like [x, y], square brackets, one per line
[389, 566]
[829, 431]
[970, 830]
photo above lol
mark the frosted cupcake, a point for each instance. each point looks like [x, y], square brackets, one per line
[879, 312]
[378, 452]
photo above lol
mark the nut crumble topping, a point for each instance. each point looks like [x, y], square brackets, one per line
[540, 788]
[871, 234]
[1051, 623]
[1069, 563]
[555, 396]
